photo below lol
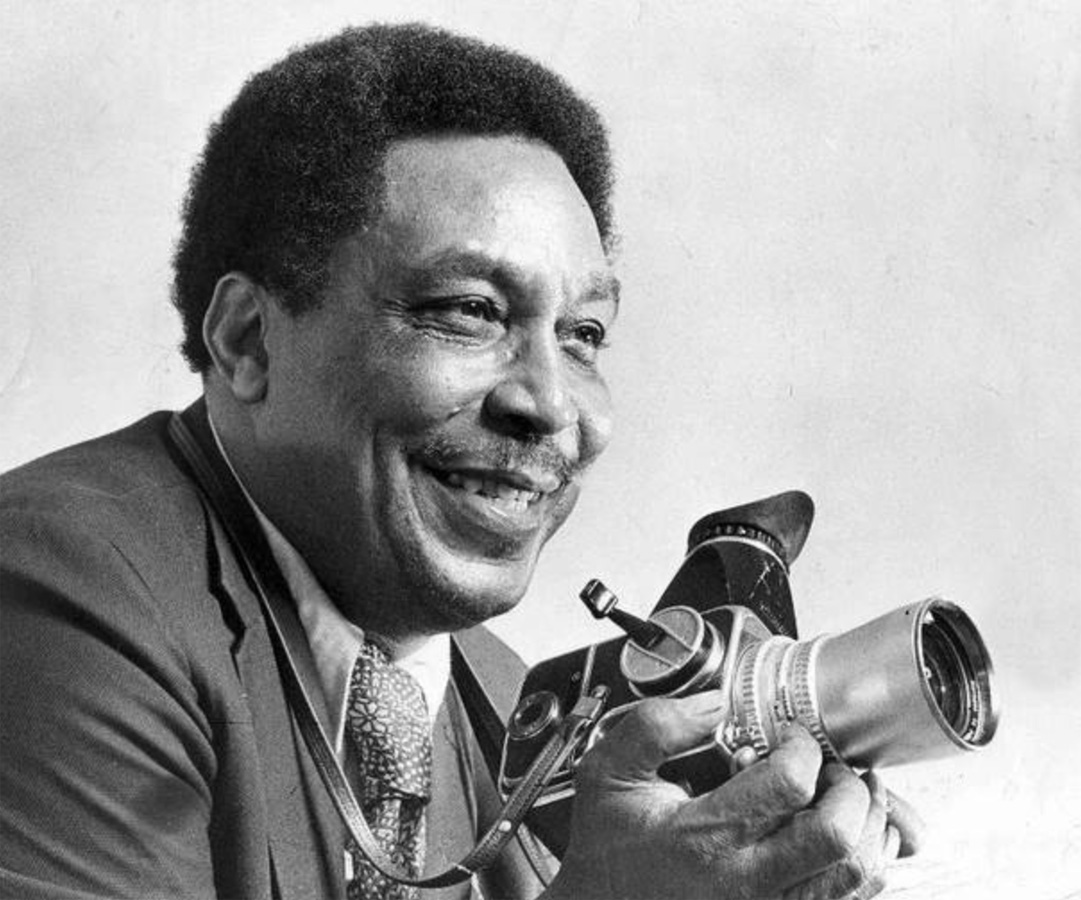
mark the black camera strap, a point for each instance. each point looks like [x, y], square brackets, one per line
[225, 499]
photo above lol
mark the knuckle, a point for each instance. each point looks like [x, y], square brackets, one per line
[657, 723]
[708, 852]
[653, 713]
[875, 884]
[589, 772]
[840, 843]
[589, 766]
[850, 876]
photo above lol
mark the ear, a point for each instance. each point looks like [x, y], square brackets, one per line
[234, 331]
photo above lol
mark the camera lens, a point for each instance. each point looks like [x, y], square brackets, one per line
[913, 684]
[949, 677]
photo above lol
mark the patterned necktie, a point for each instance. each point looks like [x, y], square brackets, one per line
[388, 723]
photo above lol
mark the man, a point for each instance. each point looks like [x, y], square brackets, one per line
[394, 279]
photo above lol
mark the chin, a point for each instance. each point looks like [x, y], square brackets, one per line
[463, 563]
[471, 593]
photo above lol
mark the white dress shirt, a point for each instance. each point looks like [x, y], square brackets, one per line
[334, 640]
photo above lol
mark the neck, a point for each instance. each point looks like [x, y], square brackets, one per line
[236, 437]
[396, 648]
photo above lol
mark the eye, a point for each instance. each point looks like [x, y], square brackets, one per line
[474, 308]
[461, 317]
[590, 332]
[584, 339]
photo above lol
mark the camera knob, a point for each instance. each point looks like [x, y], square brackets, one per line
[603, 604]
[685, 658]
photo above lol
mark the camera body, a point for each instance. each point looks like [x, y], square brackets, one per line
[912, 684]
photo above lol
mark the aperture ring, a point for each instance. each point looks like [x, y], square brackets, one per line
[805, 697]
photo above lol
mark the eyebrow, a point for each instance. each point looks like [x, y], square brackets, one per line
[601, 287]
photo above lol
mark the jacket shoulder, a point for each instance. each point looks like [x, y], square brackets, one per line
[110, 640]
[88, 475]
[110, 528]
[123, 489]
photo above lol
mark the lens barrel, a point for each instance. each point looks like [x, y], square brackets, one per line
[913, 684]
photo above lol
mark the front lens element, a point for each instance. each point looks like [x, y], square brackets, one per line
[948, 675]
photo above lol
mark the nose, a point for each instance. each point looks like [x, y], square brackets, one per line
[531, 396]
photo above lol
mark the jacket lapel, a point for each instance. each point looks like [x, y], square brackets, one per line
[306, 837]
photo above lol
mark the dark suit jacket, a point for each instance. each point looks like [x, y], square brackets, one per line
[146, 748]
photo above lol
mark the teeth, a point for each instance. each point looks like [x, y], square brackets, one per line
[504, 494]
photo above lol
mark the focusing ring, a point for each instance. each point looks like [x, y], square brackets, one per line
[804, 698]
[748, 700]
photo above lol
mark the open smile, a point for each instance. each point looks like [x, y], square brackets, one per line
[481, 504]
[505, 494]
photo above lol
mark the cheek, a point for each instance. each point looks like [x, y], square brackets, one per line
[596, 419]
[425, 388]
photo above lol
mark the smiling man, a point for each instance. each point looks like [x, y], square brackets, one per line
[442, 403]
[394, 278]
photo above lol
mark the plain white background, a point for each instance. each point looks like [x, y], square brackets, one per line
[850, 256]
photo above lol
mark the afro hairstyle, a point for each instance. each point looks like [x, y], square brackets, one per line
[295, 162]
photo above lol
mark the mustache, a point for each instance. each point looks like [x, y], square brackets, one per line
[538, 453]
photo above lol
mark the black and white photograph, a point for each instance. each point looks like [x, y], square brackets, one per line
[477, 450]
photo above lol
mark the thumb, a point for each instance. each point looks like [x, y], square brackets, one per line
[655, 730]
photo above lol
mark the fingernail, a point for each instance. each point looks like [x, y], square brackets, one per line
[892, 843]
[744, 758]
[791, 731]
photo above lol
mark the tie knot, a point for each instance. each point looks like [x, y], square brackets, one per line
[389, 726]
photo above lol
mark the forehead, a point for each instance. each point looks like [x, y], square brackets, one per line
[507, 198]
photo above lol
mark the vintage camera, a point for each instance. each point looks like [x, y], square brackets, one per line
[913, 684]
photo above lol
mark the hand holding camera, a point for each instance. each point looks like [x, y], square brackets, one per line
[720, 762]
[784, 827]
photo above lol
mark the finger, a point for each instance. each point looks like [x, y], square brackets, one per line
[840, 882]
[830, 832]
[744, 758]
[892, 844]
[907, 822]
[656, 730]
[878, 810]
[858, 877]
[760, 799]
[861, 873]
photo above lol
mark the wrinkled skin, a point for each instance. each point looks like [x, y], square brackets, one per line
[421, 434]
[785, 827]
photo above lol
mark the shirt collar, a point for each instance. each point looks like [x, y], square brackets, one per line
[334, 640]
